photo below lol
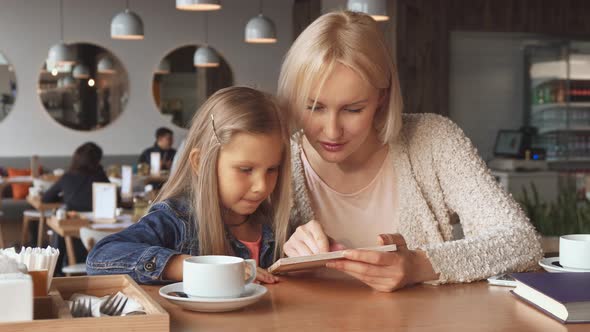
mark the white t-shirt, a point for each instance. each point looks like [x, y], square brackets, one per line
[356, 219]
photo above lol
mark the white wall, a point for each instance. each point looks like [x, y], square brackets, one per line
[29, 27]
[486, 85]
[330, 5]
[387, 27]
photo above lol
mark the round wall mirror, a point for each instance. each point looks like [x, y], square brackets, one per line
[180, 88]
[7, 87]
[88, 93]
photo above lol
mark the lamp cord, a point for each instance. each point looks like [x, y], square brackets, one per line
[61, 20]
[206, 30]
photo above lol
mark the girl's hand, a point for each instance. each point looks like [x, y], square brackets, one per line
[310, 239]
[173, 269]
[265, 277]
[262, 276]
[387, 271]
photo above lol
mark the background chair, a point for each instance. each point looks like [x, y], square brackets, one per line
[89, 238]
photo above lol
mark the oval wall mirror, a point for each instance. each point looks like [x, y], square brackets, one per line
[179, 88]
[7, 87]
[87, 94]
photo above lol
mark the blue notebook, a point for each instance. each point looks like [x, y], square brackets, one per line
[563, 296]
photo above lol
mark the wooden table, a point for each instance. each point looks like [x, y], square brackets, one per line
[38, 205]
[34, 201]
[312, 304]
[4, 182]
[70, 229]
[159, 178]
[25, 180]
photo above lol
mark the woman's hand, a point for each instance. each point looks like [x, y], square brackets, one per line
[310, 239]
[387, 271]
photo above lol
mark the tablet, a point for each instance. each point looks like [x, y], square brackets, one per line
[502, 280]
[313, 261]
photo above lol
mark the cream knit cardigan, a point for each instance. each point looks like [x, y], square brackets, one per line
[440, 174]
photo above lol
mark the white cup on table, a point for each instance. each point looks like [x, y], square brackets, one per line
[60, 213]
[217, 276]
[34, 192]
[574, 251]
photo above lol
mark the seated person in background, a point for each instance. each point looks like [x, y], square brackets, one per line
[163, 145]
[75, 188]
[76, 184]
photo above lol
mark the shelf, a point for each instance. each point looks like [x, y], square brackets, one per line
[573, 104]
[548, 130]
[569, 160]
[536, 81]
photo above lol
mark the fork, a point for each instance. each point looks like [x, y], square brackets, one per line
[113, 306]
[81, 308]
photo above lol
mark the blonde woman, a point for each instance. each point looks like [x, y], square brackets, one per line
[364, 174]
[229, 195]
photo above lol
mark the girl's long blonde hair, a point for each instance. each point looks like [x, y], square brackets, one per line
[354, 40]
[227, 112]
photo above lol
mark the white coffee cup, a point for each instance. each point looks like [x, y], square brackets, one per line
[574, 251]
[60, 213]
[216, 276]
[34, 191]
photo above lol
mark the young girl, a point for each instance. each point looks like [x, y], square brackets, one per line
[228, 195]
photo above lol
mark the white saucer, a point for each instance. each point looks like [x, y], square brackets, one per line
[551, 264]
[253, 293]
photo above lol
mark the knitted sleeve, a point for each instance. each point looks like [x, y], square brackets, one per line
[498, 235]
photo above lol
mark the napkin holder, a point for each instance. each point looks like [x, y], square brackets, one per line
[17, 297]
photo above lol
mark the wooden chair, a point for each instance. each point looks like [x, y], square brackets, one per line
[33, 215]
[89, 238]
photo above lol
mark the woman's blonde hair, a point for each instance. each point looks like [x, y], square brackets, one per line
[354, 40]
[227, 112]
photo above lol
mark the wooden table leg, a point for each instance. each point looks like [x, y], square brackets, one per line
[1, 237]
[25, 231]
[40, 229]
[2, 185]
[70, 250]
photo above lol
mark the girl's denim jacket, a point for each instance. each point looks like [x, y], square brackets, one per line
[143, 249]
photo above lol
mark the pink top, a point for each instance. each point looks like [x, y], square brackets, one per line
[254, 248]
[356, 219]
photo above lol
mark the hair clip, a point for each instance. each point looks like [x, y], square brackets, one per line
[215, 130]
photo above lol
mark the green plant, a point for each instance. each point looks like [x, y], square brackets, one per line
[566, 215]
